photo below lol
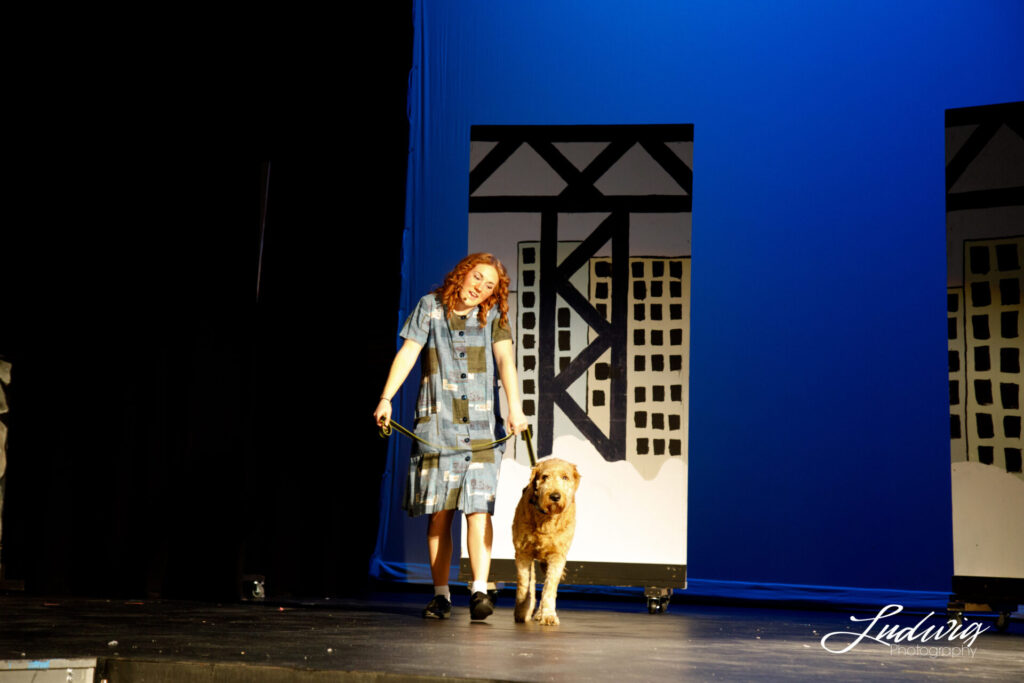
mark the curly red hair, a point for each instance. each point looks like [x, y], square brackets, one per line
[449, 291]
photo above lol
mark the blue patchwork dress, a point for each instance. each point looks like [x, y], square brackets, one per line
[457, 411]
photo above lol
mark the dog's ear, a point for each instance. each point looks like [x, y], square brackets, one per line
[534, 474]
[532, 487]
[576, 475]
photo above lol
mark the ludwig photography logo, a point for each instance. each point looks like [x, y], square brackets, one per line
[939, 639]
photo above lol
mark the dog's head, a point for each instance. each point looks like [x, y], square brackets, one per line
[553, 485]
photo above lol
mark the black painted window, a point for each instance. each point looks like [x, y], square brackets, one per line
[1008, 320]
[1009, 292]
[1006, 257]
[983, 392]
[1009, 360]
[982, 362]
[984, 423]
[1009, 394]
[981, 295]
[979, 260]
[1013, 459]
[980, 325]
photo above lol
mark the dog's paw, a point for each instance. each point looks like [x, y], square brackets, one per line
[546, 618]
[522, 614]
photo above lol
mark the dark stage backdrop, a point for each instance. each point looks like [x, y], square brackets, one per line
[169, 434]
[819, 429]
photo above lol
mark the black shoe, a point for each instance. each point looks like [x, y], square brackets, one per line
[480, 606]
[438, 608]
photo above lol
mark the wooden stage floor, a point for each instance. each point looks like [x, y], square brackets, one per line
[382, 637]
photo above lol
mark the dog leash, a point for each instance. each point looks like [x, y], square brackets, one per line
[385, 431]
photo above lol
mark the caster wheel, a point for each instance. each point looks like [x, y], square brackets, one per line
[1003, 621]
[657, 605]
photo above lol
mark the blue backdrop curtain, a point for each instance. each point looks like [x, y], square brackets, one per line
[819, 438]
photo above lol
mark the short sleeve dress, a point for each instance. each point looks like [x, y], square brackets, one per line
[457, 411]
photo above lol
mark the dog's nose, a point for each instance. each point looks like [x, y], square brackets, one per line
[555, 497]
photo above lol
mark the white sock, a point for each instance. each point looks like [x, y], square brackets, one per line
[443, 590]
[478, 587]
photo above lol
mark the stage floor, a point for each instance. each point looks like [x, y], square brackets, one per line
[382, 637]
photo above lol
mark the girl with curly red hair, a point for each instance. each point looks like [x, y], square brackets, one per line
[464, 326]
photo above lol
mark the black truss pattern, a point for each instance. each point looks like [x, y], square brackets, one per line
[490, 163]
[554, 280]
[535, 204]
[581, 195]
[988, 119]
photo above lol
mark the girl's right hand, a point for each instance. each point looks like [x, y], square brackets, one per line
[382, 416]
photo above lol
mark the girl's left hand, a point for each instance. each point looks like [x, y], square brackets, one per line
[517, 421]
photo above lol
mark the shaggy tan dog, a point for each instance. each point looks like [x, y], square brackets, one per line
[542, 530]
